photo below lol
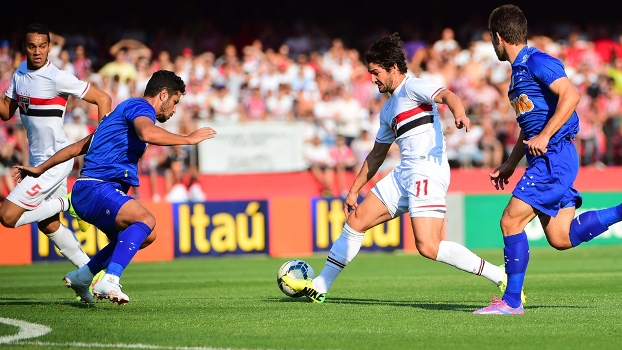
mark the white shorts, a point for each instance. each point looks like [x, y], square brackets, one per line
[421, 192]
[31, 192]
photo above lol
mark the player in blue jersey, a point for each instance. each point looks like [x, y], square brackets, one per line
[544, 100]
[100, 196]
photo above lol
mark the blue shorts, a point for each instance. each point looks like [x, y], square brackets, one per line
[98, 203]
[547, 184]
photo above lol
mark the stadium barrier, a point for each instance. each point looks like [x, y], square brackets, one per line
[302, 224]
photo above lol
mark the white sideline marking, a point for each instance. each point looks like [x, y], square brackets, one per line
[26, 330]
[117, 346]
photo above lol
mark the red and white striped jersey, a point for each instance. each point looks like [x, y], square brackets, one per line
[410, 111]
[42, 97]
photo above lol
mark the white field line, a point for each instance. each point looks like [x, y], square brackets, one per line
[116, 346]
[27, 330]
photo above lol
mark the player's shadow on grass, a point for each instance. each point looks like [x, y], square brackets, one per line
[432, 306]
[31, 302]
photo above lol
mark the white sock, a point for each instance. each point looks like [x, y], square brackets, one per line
[341, 253]
[69, 246]
[43, 211]
[462, 258]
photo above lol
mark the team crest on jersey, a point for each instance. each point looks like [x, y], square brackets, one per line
[24, 102]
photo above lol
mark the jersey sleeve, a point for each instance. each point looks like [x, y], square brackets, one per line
[67, 83]
[385, 134]
[545, 68]
[422, 91]
[10, 92]
[139, 108]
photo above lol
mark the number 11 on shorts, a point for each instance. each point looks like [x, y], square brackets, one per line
[425, 187]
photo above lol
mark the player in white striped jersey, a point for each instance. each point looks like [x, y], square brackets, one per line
[40, 90]
[418, 185]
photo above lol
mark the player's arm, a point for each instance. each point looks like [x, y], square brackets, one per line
[8, 106]
[71, 151]
[455, 106]
[155, 135]
[566, 105]
[98, 97]
[370, 167]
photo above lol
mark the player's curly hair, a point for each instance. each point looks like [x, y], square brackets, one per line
[510, 22]
[164, 79]
[387, 52]
[37, 28]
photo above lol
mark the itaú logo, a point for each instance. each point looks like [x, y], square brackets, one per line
[522, 104]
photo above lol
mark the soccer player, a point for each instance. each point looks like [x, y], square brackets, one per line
[41, 90]
[110, 169]
[544, 100]
[417, 186]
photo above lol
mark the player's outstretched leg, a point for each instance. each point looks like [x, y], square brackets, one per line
[591, 224]
[516, 253]
[341, 253]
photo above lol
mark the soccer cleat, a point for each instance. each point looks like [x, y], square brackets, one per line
[81, 288]
[306, 287]
[504, 284]
[108, 288]
[500, 307]
[96, 279]
[83, 225]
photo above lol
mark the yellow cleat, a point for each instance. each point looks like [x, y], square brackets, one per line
[306, 287]
[83, 225]
[504, 284]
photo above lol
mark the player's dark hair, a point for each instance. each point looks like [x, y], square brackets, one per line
[387, 52]
[510, 22]
[164, 79]
[37, 28]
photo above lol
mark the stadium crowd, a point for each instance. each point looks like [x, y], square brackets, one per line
[319, 80]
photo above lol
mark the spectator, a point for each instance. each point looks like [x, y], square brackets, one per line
[224, 106]
[343, 159]
[81, 63]
[320, 164]
[281, 106]
[121, 67]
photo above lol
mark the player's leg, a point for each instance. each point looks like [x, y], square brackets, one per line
[429, 243]
[371, 212]
[516, 216]
[36, 199]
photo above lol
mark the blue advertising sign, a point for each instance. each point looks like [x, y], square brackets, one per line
[220, 228]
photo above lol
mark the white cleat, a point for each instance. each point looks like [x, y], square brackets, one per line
[81, 288]
[109, 288]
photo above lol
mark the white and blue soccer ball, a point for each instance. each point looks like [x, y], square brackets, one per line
[296, 269]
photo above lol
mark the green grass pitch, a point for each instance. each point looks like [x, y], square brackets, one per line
[381, 301]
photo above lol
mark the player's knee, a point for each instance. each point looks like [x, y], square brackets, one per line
[7, 220]
[427, 250]
[149, 220]
[148, 240]
[355, 222]
[560, 244]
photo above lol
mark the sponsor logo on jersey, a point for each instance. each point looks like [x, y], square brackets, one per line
[522, 104]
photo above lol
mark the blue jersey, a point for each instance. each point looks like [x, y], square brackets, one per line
[116, 148]
[533, 71]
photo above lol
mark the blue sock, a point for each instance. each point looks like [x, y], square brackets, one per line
[100, 260]
[129, 242]
[591, 224]
[516, 259]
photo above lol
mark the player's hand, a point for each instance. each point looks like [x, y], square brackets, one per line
[500, 177]
[350, 203]
[463, 122]
[537, 145]
[201, 135]
[20, 172]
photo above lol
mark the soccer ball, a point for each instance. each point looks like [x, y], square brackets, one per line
[296, 269]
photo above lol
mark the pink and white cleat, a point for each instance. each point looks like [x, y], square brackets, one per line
[500, 307]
